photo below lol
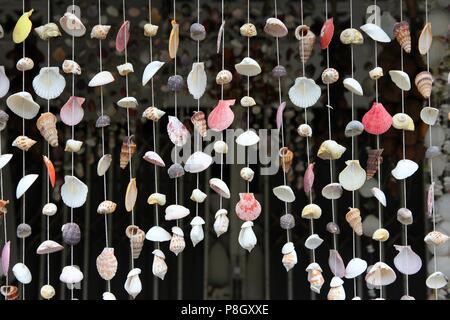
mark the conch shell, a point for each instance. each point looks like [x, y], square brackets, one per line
[23, 143]
[307, 40]
[127, 150]
[353, 218]
[46, 125]
[137, 237]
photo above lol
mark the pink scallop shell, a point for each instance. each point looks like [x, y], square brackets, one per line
[123, 36]
[5, 257]
[222, 116]
[326, 34]
[72, 113]
[308, 179]
[248, 208]
[280, 114]
[377, 120]
[178, 133]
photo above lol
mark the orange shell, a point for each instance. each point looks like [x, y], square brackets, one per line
[50, 170]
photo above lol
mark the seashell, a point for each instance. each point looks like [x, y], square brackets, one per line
[131, 195]
[407, 261]
[23, 143]
[404, 169]
[175, 171]
[198, 196]
[430, 199]
[404, 216]
[289, 256]
[100, 79]
[197, 234]
[127, 150]
[196, 80]
[308, 179]
[315, 277]
[106, 207]
[175, 212]
[376, 73]
[353, 86]
[353, 176]
[178, 133]
[4, 159]
[107, 264]
[424, 83]
[304, 93]
[3, 209]
[49, 246]
[199, 122]
[47, 31]
[125, 69]
[351, 36]
[247, 174]
[73, 192]
[432, 152]
[46, 125]
[381, 235]
[2, 32]
[50, 170]
[4, 82]
[307, 39]
[401, 79]
[337, 291]
[70, 66]
[279, 116]
[24, 184]
[23, 231]
[247, 139]
[377, 193]
[221, 117]
[330, 76]
[49, 84]
[47, 292]
[219, 36]
[6, 255]
[313, 242]
[279, 71]
[333, 228]
[221, 222]
[403, 35]
[25, 64]
[248, 30]
[137, 237]
[157, 234]
[332, 191]
[150, 70]
[336, 264]
[353, 217]
[154, 158]
[103, 121]
[220, 187]
[247, 238]
[157, 198]
[429, 115]
[377, 120]
[248, 67]
[248, 208]
[248, 101]
[153, 114]
[123, 36]
[197, 32]
[73, 145]
[354, 128]
[304, 130]
[177, 243]
[71, 233]
[355, 268]
[287, 221]
[224, 77]
[10, 292]
[108, 296]
[22, 104]
[330, 150]
[380, 275]
[174, 39]
[100, 31]
[275, 28]
[133, 284]
[326, 33]
[373, 160]
[436, 280]
[436, 238]
[284, 193]
[159, 266]
[23, 27]
[375, 32]
[72, 25]
[103, 164]
[311, 211]
[49, 209]
[150, 30]
[128, 103]
[198, 162]
[402, 121]
[4, 117]
[287, 156]
[72, 112]
[221, 147]
[175, 83]
[425, 39]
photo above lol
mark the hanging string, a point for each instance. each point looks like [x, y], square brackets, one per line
[221, 95]
[198, 139]
[47, 218]
[5, 229]
[175, 96]
[247, 162]
[23, 158]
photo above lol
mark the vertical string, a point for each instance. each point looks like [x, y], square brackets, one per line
[175, 96]
[198, 138]
[221, 94]
[5, 229]
[23, 158]
[47, 220]
[247, 162]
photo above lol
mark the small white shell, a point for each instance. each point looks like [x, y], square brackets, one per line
[247, 174]
[355, 268]
[25, 64]
[24, 184]
[313, 242]
[405, 168]
[157, 234]
[71, 275]
[353, 86]
[376, 73]
[103, 164]
[175, 212]
[221, 147]
[4, 82]
[198, 162]
[49, 83]
[49, 209]
[247, 139]
[304, 93]
[73, 145]
[150, 70]
[332, 191]
[375, 32]
[220, 187]
[429, 115]
[284, 193]
[73, 192]
[4, 159]
[401, 79]
[198, 196]
[125, 69]
[108, 296]
[128, 103]
[100, 79]
[248, 67]
[133, 284]
[377, 193]
[197, 80]
[22, 273]
[248, 101]
[247, 238]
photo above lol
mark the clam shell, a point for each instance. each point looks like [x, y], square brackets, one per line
[70, 66]
[304, 93]
[4, 82]
[353, 176]
[49, 209]
[247, 139]
[25, 64]
[176, 170]
[175, 212]
[157, 234]
[150, 70]
[248, 30]
[131, 195]
[154, 158]
[355, 268]
[197, 80]
[313, 242]
[22, 104]
[72, 112]
[103, 164]
[284, 193]
[178, 133]
[404, 169]
[432, 152]
[23, 27]
[157, 198]
[24, 184]
[197, 32]
[401, 79]
[248, 67]
[198, 196]
[23, 231]
[436, 280]
[311, 211]
[332, 191]
[407, 261]
[376, 73]
[275, 28]
[375, 32]
[353, 86]
[220, 187]
[73, 192]
[153, 114]
[72, 25]
[404, 216]
[198, 162]
[326, 33]
[128, 103]
[49, 246]
[425, 39]
[100, 79]
[436, 238]
[353, 128]
[380, 274]
[429, 115]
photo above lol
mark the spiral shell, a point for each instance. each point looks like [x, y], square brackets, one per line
[353, 218]
[153, 114]
[100, 31]
[127, 150]
[224, 77]
[23, 143]
[46, 125]
[330, 76]
[199, 122]
[287, 156]
[307, 40]
[248, 30]
[137, 237]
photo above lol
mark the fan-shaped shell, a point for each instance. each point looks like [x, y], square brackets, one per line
[73, 192]
[221, 117]
[355, 268]
[178, 133]
[353, 176]
[22, 104]
[407, 261]
[377, 120]
[49, 83]
[72, 25]
[123, 36]
[284, 193]
[275, 28]
[304, 93]
[150, 70]
[375, 32]
[380, 274]
[24, 184]
[72, 112]
[248, 208]
[196, 80]
[248, 67]
[103, 164]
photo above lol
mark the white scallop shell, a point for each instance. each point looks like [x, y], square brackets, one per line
[284, 193]
[353, 176]
[49, 83]
[404, 169]
[73, 192]
[304, 93]
[4, 159]
[22, 273]
[355, 268]
[247, 139]
[71, 275]
[198, 162]
[150, 70]
[24, 184]
[4, 82]
[22, 104]
[220, 187]
[313, 242]
[407, 261]
[381, 197]
[175, 212]
[401, 79]
[157, 234]
[100, 79]
[103, 164]
[72, 25]
[375, 32]
[196, 80]
[353, 86]
[429, 115]
[380, 274]
[248, 67]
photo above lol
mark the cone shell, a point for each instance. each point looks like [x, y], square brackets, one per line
[199, 122]
[374, 158]
[137, 237]
[248, 208]
[403, 35]
[46, 125]
[153, 114]
[286, 158]
[127, 150]
[107, 264]
[353, 218]
[424, 83]
[23, 143]
[377, 120]
[307, 40]
[106, 207]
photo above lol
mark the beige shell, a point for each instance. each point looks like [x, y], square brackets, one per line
[125, 69]
[100, 31]
[380, 235]
[248, 101]
[127, 151]
[304, 130]
[224, 77]
[25, 64]
[47, 292]
[424, 83]
[47, 31]
[157, 198]
[247, 174]
[107, 264]
[436, 238]
[46, 125]
[330, 150]
[150, 30]
[23, 143]
[137, 237]
[351, 36]
[106, 207]
[70, 66]
[402, 121]
[286, 159]
[353, 217]
[153, 114]
[376, 73]
[159, 266]
[307, 39]
[330, 76]
[73, 145]
[311, 211]
[248, 30]
[177, 243]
